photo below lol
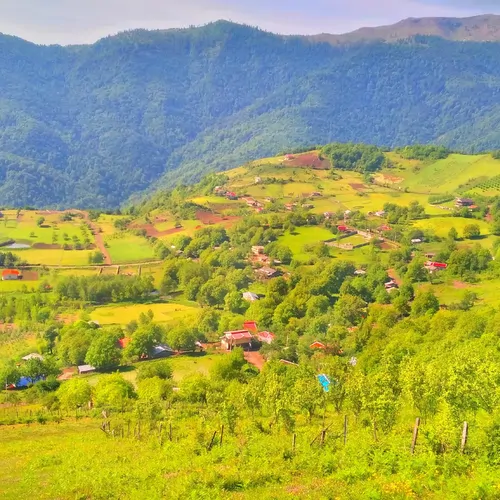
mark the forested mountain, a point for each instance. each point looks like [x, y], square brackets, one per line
[92, 125]
[485, 28]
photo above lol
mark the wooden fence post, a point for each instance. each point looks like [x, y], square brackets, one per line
[221, 434]
[375, 431]
[415, 435]
[212, 441]
[345, 430]
[170, 432]
[465, 433]
[294, 442]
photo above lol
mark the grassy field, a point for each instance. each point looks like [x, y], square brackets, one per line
[304, 236]
[56, 257]
[444, 176]
[126, 247]
[123, 314]
[14, 345]
[442, 225]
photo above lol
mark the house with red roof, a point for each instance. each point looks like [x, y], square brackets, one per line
[238, 338]
[124, 342]
[250, 326]
[266, 337]
[317, 345]
[11, 274]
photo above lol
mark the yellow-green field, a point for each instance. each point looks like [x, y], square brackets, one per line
[56, 257]
[442, 225]
[126, 247]
[444, 176]
[123, 314]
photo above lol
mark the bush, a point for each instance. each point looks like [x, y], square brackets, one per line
[151, 369]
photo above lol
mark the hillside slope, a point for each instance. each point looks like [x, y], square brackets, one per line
[89, 126]
[484, 28]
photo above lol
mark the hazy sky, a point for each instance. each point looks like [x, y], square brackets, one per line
[82, 21]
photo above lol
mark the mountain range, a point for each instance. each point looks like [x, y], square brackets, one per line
[90, 126]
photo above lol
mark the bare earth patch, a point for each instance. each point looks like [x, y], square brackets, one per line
[358, 187]
[305, 160]
[460, 285]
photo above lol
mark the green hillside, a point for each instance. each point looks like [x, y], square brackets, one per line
[146, 109]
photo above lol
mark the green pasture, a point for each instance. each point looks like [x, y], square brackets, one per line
[56, 257]
[304, 236]
[123, 314]
[15, 344]
[451, 174]
[442, 225]
[126, 247]
[189, 228]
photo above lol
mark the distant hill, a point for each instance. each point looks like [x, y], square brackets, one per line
[484, 28]
[89, 126]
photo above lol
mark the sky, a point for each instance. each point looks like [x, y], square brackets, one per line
[85, 21]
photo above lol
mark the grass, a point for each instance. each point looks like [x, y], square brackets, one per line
[126, 247]
[445, 176]
[304, 236]
[442, 225]
[54, 257]
[14, 345]
[123, 314]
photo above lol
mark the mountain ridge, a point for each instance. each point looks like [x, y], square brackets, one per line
[89, 126]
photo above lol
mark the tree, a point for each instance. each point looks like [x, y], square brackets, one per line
[96, 257]
[453, 234]
[144, 339]
[229, 367]
[472, 231]
[74, 393]
[160, 369]
[425, 303]
[113, 392]
[235, 303]
[40, 221]
[104, 353]
[9, 374]
[154, 389]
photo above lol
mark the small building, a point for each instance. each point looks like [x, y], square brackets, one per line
[11, 275]
[266, 337]
[82, 369]
[464, 202]
[251, 326]
[161, 351]
[343, 229]
[33, 355]
[384, 228]
[435, 266]
[238, 338]
[317, 345]
[328, 215]
[257, 250]
[360, 272]
[230, 195]
[316, 194]
[250, 296]
[258, 180]
[267, 272]
[390, 285]
[124, 342]
[416, 241]
[380, 213]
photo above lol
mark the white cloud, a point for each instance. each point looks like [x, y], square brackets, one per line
[84, 21]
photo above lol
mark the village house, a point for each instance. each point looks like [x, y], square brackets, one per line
[230, 195]
[257, 250]
[267, 272]
[11, 275]
[381, 213]
[238, 338]
[328, 215]
[360, 272]
[250, 296]
[258, 180]
[317, 345]
[391, 285]
[33, 355]
[463, 202]
[124, 342]
[266, 337]
[316, 194]
[250, 325]
[435, 266]
[82, 369]
[161, 351]
[416, 241]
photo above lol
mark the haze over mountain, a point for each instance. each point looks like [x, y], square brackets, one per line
[484, 28]
[91, 125]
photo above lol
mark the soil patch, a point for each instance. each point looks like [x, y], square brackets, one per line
[460, 285]
[255, 358]
[307, 160]
[210, 218]
[391, 178]
[67, 373]
[358, 187]
[47, 246]
[30, 276]
[386, 246]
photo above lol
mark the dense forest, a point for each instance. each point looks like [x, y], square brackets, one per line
[92, 125]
